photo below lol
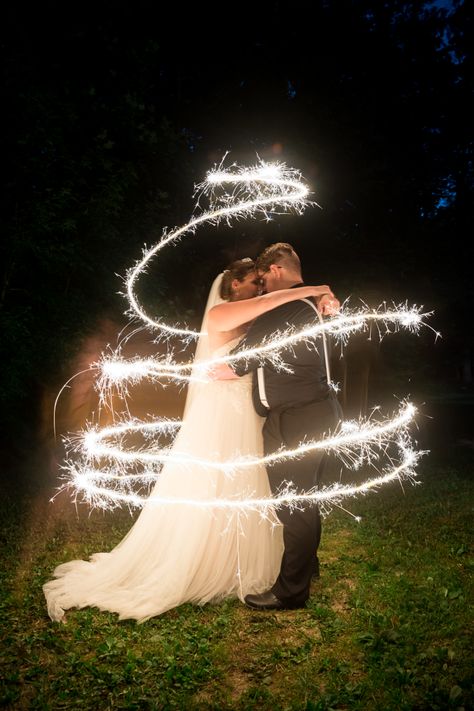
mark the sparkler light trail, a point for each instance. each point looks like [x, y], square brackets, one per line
[105, 471]
[333, 494]
[264, 189]
[352, 435]
[115, 370]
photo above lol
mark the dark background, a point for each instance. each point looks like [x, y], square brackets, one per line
[112, 113]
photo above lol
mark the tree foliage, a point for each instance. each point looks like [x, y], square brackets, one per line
[108, 125]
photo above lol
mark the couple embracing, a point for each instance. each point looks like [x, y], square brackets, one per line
[183, 552]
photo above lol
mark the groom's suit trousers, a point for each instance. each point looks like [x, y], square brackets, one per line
[288, 427]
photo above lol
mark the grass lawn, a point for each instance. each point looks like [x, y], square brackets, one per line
[388, 626]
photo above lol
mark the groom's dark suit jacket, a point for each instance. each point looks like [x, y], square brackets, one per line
[300, 405]
[307, 381]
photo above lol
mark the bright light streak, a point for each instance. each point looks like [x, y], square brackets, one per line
[263, 189]
[333, 494]
[234, 193]
[115, 370]
[352, 434]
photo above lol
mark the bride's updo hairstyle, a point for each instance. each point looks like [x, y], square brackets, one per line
[236, 270]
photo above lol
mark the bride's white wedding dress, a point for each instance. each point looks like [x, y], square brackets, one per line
[176, 553]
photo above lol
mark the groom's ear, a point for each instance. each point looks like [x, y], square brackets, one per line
[275, 271]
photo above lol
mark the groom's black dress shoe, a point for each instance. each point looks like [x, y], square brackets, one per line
[266, 601]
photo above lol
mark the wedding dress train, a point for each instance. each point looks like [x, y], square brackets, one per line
[176, 553]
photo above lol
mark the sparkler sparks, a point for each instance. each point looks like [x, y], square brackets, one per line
[333, 494]
[233, 193]
[115, 371]
[264, 189]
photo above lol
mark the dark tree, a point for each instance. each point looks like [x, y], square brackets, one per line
[108, 124]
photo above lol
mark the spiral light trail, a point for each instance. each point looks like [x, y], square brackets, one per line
[106, 472]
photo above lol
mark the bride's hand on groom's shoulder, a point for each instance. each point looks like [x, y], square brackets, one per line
[328, 304]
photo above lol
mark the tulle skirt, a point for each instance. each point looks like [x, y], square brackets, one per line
[187, 551]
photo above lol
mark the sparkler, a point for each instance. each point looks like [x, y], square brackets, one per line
[234, 193]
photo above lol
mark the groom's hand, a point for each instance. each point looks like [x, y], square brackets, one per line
[221, 371]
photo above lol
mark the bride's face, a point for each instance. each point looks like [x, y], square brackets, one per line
[249, 287]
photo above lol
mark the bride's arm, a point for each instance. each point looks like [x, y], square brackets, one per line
[225, 317]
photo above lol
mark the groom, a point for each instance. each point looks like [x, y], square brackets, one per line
[298, 405]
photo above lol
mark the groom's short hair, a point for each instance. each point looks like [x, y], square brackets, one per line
[280, 253]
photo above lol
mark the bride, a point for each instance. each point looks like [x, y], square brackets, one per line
[177, 553]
